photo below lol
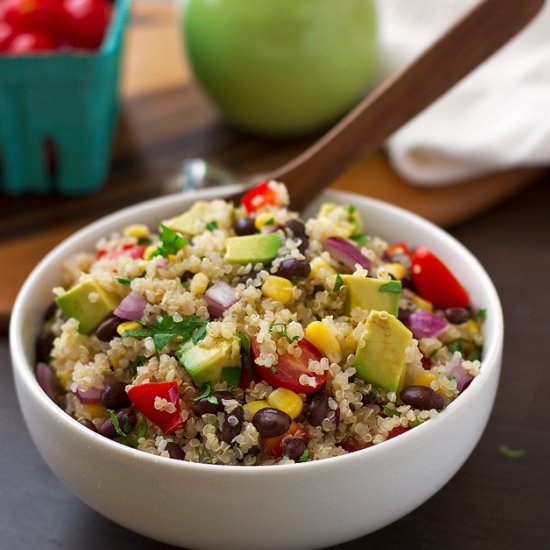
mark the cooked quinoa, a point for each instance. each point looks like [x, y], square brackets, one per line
[129, 348]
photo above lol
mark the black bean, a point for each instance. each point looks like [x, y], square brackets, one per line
[175, 451]
[87, 424]
[299, 231]
[317, 407]
[51, 311]
[44, 344]
[271, 422]
[403, 315]
[187, 276]
[114, 396]
[407, 282]
[293, 447]
[245, 226]
[457, 315]
[106, 331]
[248, 277]
[204, 406]
[422, 397]
[107, 429]
[291, 268]
[233, 424]
[224, 394]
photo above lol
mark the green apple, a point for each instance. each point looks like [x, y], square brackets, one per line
[282, 67]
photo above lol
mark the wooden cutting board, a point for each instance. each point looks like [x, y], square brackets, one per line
[165, 119]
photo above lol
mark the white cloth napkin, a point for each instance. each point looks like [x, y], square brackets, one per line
[498, 117]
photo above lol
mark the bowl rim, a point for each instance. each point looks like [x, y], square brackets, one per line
[25, 371]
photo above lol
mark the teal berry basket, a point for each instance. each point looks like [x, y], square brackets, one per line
[57, 116]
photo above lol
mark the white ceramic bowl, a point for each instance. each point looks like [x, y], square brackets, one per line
[308, 505]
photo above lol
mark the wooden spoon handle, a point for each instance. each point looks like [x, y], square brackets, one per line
[475, 37]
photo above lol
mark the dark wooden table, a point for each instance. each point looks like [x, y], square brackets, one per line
[494, 502]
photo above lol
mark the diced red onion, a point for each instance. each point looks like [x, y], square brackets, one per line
[455, 369]
[163, 262]
[425, 324]
[131, 308]
[88, 397]
[346, 252]
[47, 380]
[173, 395]
[219, 298]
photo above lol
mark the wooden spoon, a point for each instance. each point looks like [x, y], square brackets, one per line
[474, 38]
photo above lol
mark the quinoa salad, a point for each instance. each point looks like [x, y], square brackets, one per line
[245, 335]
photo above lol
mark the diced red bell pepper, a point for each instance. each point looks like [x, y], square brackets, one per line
[262, 195]
[352, 445]
[144, 396]
[135, 251]
[435, 282]
[398, 248]
[397, 431]
[275, 444]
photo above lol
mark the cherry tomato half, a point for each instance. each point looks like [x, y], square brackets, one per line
[435, 282]
[289, 368]
[31, 42]
[7, 34]
[262, 195]
[84, 22]
[275, 444]
[143, 398]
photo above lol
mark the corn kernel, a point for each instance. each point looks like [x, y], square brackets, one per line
[471, 326]
[171, 258]
[138, 230]
[149, 252]
[322, 337]
[94, 410]
[278, 288]
[250, 409]
[424, 379]
[320, 269]
[128, 325]
[287, 401]
[264, 219]
[199, 284]
[395, 269]
[421, 303]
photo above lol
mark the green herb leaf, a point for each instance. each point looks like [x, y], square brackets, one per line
[481, 314]
[392, 286]
[212, 225]
[116, 424]
[206, 392]
[281, 331]
[144, 241]
[361, 239]
[199, 334]
[273, 369]
[212, 399]
[388, 411]
[303, 457]
[165, 328]
[232, 376]
[474, 355]
[171, 242]
[511, 453]
[123, 281]
[246, 352]
[124, 431]
[142, 432]
[351, 209]
[271, 221]
[339, 283]
[456, 345]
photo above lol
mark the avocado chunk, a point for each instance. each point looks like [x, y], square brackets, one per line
[221, 361]
[194, 221]
[261, 247]
[76, 303]
[381, 354]
[367, 293]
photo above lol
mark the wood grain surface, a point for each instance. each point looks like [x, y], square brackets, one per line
[166, 119]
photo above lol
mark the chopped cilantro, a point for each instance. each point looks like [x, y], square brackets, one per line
[212, 399]
[123, 431]
[171, 242]
[271, 221]
[456, 345]
[511, 453]
[392, 286]
[144, 241]
[206, 392]
[123, 281]
[212, 225]
[232, 376]
[474, 355]
[303, 457]
[361, 239]
[246, 353]
[414, 423]
[142, 427]
[373, 397]
[163, 329]
[339, 283]
[388, 411]
[282, 331]
[351, 209]
[199, 334]
[294, 279]
[481, 314]
[273, 369]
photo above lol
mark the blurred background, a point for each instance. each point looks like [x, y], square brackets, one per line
[101, 102]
